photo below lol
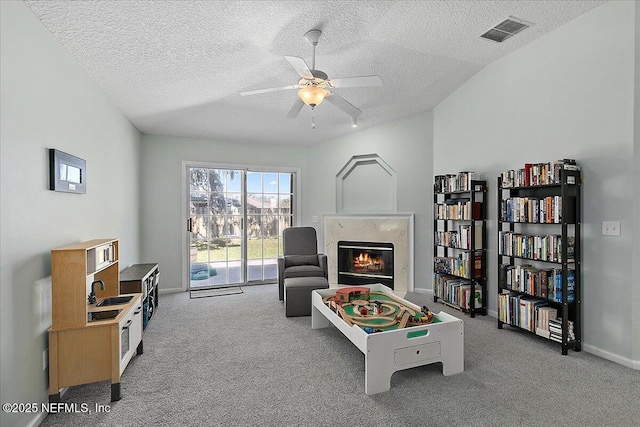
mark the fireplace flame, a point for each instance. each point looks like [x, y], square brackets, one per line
[365, 262]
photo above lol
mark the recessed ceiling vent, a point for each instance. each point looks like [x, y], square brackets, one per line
[505, 29]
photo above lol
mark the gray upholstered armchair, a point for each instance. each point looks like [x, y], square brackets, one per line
[301, 257]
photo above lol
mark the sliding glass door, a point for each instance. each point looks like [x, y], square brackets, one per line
[269, 196]
[236, 219]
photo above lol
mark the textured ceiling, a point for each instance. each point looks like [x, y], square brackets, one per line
[178, 67]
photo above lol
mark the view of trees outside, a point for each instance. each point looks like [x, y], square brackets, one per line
[216, 214]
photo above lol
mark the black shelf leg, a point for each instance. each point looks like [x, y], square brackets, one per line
[115, 392]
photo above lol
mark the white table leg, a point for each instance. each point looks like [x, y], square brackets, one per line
[378, 368]
[317, 319]
[453, 351]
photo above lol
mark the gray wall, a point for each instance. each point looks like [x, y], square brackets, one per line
[48, 101]
[406, 146]
[568, 94]
[162, 207]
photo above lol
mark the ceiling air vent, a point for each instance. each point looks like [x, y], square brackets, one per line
[505, 29]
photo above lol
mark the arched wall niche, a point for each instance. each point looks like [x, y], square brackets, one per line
[366, 184]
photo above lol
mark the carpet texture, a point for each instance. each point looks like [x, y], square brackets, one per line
[238, 361]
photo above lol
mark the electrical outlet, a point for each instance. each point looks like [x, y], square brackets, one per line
[315, 218]
[610, 228]
[45, 359]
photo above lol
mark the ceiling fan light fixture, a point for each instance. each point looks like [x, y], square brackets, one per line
[312, 95]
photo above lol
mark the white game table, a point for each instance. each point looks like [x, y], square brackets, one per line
[393, 350]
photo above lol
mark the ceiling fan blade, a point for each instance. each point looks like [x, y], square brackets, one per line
[300, 66]
[342, 104]
[362, 81]
[295, 109]
[272, 89]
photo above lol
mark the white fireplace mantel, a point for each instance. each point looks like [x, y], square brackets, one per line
[392, 228]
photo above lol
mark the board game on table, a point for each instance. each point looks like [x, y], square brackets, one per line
[397, 334]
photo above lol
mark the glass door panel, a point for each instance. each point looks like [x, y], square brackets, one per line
[270, 195]
[216, 211]
[236, 220]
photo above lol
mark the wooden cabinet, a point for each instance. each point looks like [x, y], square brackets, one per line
[85, 340]
[73, 269]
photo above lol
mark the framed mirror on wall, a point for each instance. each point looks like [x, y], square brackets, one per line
[67, 173]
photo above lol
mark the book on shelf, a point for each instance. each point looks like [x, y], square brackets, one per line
[447, 238]
[458, 209]
[571, 248]
[525, 312]
[544, 282]
[534, 174]
[555, 330]
[477, 210]
[457, 201]
[535, 247]
[503, 306]
[456, 290]
[544, 314]
[528, 307]
[465, 236]
[460, 265]
[460, 181]
[467, 294]
[546, 210]
[571, 286]
[502, 276]
[541, 283]
[544, 333]
[460, 239]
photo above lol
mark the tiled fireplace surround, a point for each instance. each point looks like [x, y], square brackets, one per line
[392, 228]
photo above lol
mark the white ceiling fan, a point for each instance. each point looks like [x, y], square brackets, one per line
[314, 85]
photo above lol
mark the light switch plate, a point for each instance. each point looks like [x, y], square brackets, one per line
[610, 228]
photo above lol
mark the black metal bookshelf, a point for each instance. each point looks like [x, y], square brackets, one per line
[450, 225]
[539, 253]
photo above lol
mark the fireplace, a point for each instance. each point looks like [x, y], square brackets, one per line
[361, 263]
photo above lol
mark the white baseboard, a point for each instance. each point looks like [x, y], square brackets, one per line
[37, 419]
[170, 291]
[624, 361]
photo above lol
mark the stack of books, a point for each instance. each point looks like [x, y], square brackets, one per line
[544, 315]
[555, 330]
